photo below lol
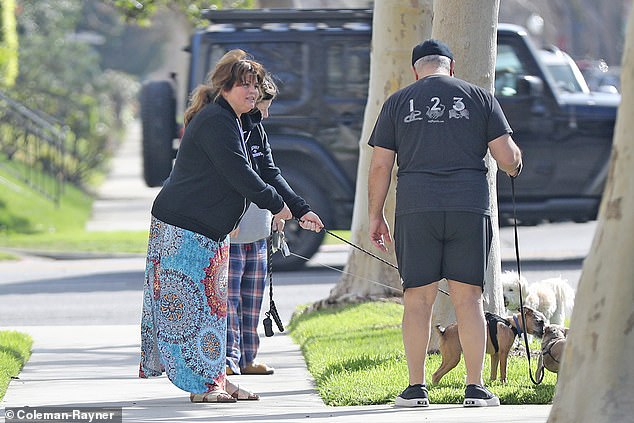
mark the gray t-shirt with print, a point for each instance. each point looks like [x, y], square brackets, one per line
[440, 128]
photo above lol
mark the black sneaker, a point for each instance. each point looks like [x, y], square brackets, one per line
[413, 396]
[479, 396]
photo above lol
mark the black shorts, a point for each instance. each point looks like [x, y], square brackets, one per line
[435, 245]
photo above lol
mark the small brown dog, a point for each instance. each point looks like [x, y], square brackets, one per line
[501, 334]
[553, 344]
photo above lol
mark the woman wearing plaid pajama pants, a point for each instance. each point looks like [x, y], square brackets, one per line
[248, 255]
[247, 280]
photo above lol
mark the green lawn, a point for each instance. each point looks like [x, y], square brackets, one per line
[355, 353]
[15, 350]
[30, 221]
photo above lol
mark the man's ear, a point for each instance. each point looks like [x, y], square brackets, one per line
[451, 67]
[415, 73]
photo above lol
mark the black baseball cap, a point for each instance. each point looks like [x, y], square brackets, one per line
[429, 48]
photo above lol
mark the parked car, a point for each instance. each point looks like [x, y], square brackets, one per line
[568, 78]
[322, 61]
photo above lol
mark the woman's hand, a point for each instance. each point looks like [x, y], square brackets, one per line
[311, 222]
[279, 217]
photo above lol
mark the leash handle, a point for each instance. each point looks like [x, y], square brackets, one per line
[519, 275]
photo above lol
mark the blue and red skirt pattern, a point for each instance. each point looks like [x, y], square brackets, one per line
[184, 319]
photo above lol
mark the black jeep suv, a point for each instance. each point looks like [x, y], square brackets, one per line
[322, 61]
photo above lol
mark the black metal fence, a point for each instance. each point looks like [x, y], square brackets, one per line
[32, 147]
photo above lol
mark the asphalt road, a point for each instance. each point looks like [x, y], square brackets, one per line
[38, 291]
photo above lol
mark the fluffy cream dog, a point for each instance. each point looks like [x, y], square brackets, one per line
[553, 296]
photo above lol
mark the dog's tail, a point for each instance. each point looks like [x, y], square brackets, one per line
[440, 329]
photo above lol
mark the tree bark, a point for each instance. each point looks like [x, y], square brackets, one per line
[469, 27]
[596, 377]
[397, 27]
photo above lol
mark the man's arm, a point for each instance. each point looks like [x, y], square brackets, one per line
[507, 154]
[379, 179]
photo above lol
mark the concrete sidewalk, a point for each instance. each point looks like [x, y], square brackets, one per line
[123, 200]
[97, 366]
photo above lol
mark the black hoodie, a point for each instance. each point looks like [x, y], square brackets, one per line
[213, 181]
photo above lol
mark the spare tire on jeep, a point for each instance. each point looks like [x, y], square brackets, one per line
[158, 118]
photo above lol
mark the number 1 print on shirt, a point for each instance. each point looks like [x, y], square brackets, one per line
[413, 113]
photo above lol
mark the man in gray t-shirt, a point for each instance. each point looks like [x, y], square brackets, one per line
[439, 129]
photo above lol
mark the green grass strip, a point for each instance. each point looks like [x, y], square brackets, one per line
[15, 350]
[355, 354]
[28, 221]
[78, 241]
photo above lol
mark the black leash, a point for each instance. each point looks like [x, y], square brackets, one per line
[519, 274]
[370, 254]
[360, 249]
[273, 241]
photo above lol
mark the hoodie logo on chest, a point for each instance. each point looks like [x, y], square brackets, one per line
[255, 151]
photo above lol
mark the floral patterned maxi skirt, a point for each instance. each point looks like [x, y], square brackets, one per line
[184, 320]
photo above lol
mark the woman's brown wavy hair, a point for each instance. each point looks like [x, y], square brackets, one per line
[234, 67]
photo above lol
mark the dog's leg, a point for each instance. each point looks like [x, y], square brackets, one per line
[504, 356]
[495, 361]
[540, 367]
[444, 368]
[506, 339]
[450, 351]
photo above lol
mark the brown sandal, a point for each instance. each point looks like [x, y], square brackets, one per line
[257, 369]
[218, 395]
[244, 395]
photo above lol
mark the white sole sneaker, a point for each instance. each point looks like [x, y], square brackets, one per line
[415, 402]
[479, 402]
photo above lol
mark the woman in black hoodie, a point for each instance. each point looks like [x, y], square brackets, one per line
[184, 327]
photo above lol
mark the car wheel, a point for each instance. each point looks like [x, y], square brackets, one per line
[158, 118]
[300, 241]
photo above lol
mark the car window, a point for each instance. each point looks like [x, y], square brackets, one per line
[507, 68]
[563, 71]
[564, 78]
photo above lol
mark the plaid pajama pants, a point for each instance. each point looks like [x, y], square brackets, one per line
[247, 280]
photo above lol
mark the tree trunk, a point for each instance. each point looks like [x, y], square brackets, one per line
[397, 26]
[596, 379]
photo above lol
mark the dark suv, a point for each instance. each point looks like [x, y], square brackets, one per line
[322, 61]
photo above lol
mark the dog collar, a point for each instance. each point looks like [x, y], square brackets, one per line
[516, 329]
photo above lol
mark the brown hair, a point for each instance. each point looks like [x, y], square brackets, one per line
[235, 66]
[268, 89]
